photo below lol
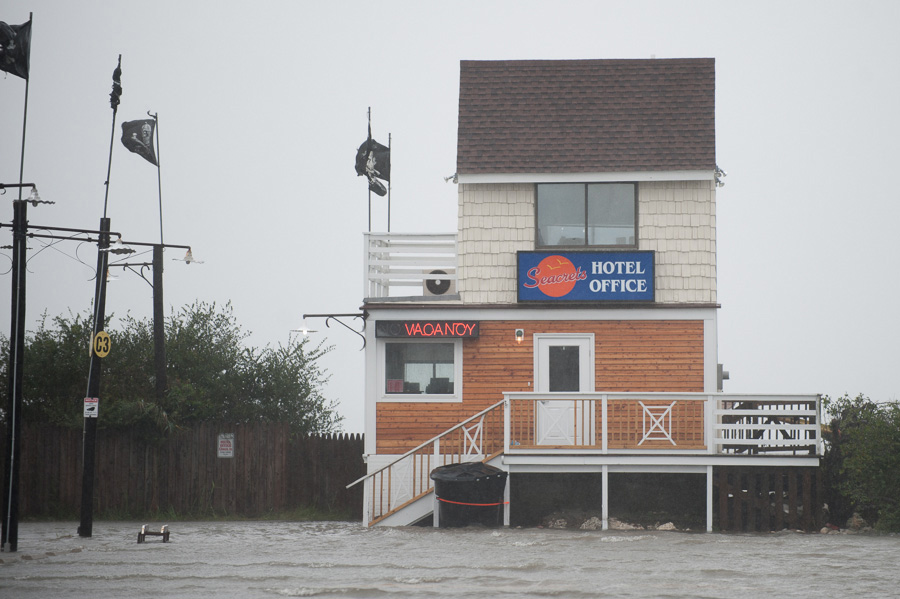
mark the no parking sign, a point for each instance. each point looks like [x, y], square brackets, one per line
[91, 407]
[226, 445]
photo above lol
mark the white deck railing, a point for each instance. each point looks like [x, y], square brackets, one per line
[400, 264]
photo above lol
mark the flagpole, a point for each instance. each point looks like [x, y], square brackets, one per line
[89, 438]
[370, 188]
[114, 101]
[158, 176]
[25, 114]
[9, 535]
[389, 188]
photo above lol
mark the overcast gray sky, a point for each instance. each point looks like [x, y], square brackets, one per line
[262, 106]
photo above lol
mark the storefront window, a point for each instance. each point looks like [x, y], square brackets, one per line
[419, 368]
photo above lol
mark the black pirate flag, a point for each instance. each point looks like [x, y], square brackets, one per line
[373, 161]
[15, 46]
[137, 136]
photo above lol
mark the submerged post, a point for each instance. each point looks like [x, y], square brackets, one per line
[10, 540]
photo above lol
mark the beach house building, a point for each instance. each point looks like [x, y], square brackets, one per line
[566, 332]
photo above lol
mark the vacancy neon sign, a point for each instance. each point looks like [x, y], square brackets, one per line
[426, 328]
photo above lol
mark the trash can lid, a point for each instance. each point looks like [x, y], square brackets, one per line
[469, 471]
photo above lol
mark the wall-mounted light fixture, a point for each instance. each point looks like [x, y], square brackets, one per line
[520, 335]
[720, 174]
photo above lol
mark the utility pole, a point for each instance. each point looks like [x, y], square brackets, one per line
[159, 326]
[85, 529]
[10, 540]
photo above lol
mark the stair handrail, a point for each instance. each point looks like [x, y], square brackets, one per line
[432, 440]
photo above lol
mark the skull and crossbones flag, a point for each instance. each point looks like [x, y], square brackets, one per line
[373, 161]
[15, 47]
[137, 136]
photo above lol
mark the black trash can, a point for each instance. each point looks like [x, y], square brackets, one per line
[470, 493]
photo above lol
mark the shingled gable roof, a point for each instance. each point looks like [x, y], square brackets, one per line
[586, 116]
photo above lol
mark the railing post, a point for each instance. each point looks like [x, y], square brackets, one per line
[366, 280]
[506, 423]
[437, 453]
[604, 443]
[820, 444]
[709, 429]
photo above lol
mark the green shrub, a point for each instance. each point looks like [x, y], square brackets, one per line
[862, 460]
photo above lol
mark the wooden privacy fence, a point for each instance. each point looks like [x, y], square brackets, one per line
[270, 470]
[768, 498]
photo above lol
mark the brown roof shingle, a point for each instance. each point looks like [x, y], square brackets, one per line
[586, 116]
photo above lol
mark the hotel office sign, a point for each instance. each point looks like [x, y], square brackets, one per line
[585, 277]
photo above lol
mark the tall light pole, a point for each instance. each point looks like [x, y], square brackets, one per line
[9, 540]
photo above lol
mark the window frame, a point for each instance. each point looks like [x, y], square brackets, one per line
[381, 365]
[585, 245]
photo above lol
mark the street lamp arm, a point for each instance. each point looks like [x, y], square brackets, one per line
[144, 266]
[163, 245]
[61, 229]
[337, 319]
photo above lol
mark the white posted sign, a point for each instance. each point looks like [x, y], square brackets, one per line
[91, 407]
[226, 445]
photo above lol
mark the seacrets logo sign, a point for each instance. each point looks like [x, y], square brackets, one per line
[585, 276]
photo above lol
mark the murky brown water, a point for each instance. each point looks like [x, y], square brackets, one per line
[324, 559]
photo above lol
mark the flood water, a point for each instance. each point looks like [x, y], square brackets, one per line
[326, 559]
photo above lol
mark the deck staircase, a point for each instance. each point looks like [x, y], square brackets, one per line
[402, 492]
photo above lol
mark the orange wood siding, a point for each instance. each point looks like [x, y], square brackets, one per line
[629, 356]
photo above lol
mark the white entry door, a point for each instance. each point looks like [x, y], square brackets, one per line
[563, 363]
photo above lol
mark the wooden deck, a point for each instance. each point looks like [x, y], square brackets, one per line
[604, 432]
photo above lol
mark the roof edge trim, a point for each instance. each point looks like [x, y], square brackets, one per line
[629, 176]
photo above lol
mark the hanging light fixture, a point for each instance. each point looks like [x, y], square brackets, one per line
[188, 258]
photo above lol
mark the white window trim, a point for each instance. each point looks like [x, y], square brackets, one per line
[455, 397]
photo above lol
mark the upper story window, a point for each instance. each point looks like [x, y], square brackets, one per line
[586, 214]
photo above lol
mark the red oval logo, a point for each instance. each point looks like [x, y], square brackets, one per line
[555, 276]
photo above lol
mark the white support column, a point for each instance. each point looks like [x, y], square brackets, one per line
[368, 487]
[604, 495]
[506, 501]
[436, 518]
[709, 498]
[437, 510]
